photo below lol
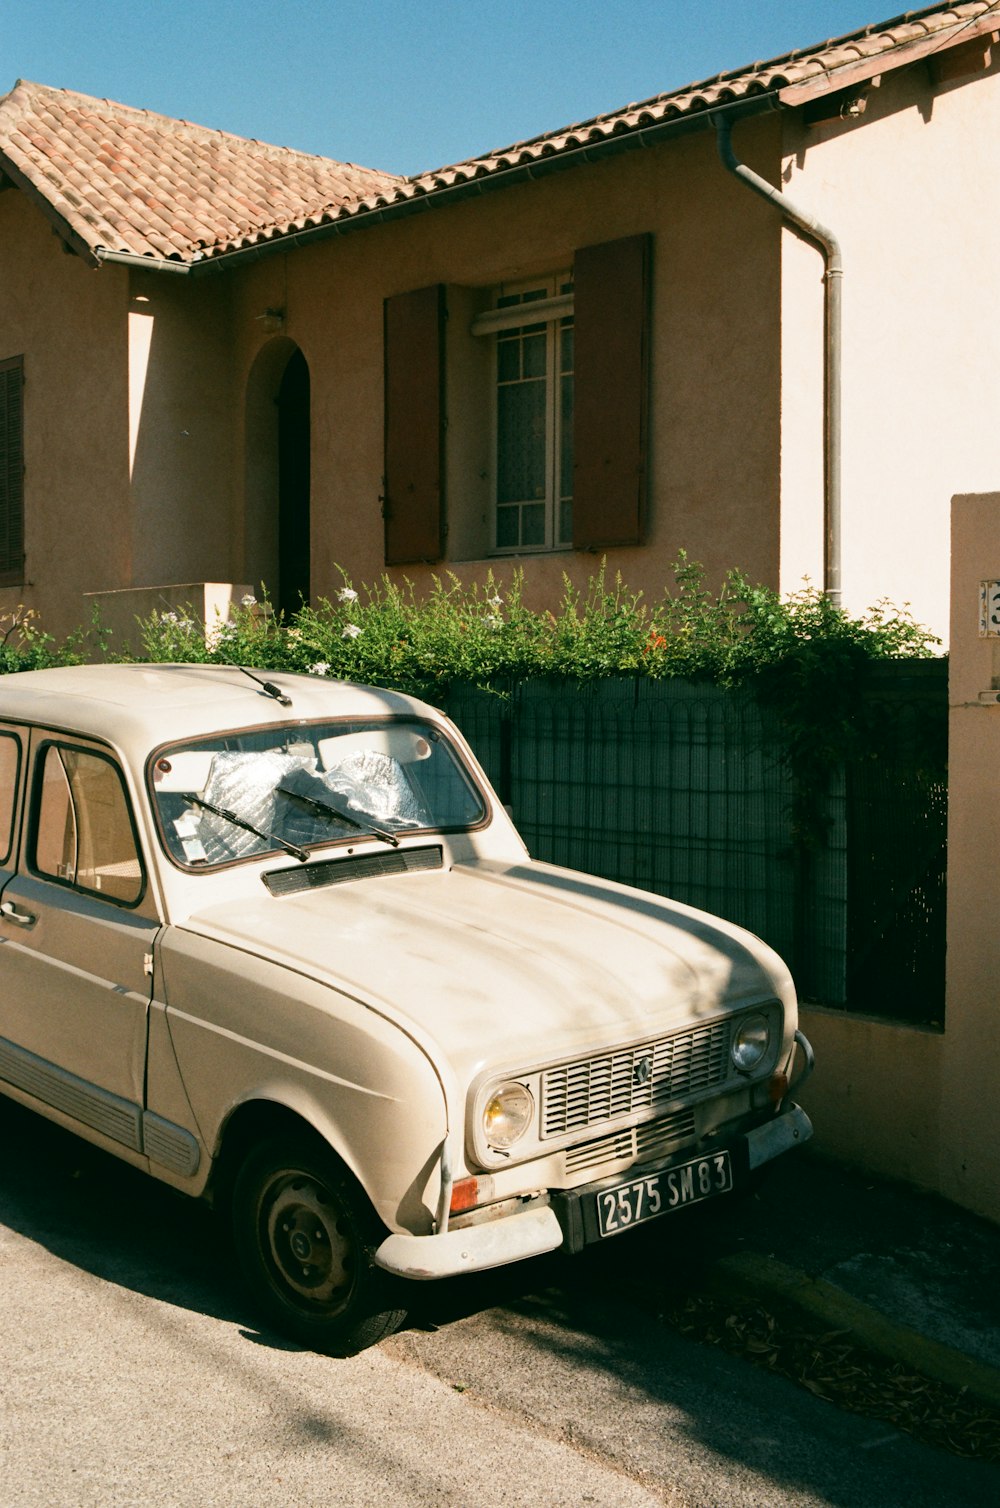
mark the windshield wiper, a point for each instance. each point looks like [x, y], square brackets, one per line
[327, 809]
[248, 827]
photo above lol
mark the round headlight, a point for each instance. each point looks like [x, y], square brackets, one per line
[507, 1114]
[750, 1043]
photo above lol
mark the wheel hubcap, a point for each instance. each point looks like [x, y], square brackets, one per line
[308, 1239]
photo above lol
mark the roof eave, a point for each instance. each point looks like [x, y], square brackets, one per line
[70, 238]
[903, 56]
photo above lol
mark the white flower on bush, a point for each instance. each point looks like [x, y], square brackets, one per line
[248, 600]
[320, 668]
[493, 620]
[168, 618]
[347, 594]
[350, 631]
[494, 602]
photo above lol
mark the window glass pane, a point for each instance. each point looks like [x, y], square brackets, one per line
[533, 524]
[534, 423]
[566, 347]
[520, 441]
[534, 355]
[55, 835]
[84, 834]
[508, 528]
[508, 358]
[10, 749]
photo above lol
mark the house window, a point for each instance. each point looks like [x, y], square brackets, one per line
[11, 471]
[533, 416]
[516, 420]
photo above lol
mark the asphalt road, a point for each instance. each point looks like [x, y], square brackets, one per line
[131, 1372]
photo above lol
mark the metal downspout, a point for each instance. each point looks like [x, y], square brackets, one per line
[832, 356]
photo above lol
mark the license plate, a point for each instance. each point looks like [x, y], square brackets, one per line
[644, 1198]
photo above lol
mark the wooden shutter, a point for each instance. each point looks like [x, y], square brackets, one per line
[11, 472]
[611, 319]
[414, 384]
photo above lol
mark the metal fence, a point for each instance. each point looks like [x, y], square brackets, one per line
[684, 789]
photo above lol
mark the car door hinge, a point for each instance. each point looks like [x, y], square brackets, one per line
[147, 965]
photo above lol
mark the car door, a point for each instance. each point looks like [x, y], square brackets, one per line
[77, 927]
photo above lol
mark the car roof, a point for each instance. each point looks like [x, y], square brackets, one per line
[138, 706]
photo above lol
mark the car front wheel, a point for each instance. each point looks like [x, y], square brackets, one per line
[305, 1240]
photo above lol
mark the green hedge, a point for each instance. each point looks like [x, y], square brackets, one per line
[485, 635]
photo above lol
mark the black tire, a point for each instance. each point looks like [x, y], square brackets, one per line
[304, 1238]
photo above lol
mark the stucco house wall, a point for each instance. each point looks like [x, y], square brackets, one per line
[715, 378]
[128, 423]
[910, 190]
[69, 326]
[182, 410]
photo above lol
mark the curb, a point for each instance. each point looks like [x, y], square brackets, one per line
[761, 1278]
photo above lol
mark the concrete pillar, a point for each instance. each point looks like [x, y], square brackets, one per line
[969, 1158]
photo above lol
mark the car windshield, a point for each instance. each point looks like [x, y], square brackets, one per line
[241, 795]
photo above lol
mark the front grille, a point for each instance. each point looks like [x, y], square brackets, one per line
[638, 1144]
[617, 1084]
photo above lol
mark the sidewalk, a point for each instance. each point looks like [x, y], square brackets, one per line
[907, 1274]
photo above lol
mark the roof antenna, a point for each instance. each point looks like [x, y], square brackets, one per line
[268, 687]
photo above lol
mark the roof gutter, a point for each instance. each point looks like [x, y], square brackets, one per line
[833, 278]
[150, 264]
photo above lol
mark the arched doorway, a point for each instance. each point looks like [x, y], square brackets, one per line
[293, 485]
[277, 543]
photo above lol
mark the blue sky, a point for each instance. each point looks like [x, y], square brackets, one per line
[396, 84]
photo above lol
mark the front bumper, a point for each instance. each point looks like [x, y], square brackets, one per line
[532, 1232]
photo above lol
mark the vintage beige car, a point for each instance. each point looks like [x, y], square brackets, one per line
[274, 940]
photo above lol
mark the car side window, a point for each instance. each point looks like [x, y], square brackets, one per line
[10, 763]
[83, 833]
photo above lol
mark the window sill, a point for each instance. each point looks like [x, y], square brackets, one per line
[530, 552]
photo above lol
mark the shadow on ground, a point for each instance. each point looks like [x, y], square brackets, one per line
[108, 1219]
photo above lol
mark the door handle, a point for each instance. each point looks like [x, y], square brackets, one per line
[10, 913]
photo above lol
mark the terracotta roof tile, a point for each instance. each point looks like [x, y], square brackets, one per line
[127, 181]
[830, 64]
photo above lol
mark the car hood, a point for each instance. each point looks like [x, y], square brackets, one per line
[499, 963]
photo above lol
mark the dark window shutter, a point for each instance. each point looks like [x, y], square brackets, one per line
[414, 382]
[611, 319]
[11, 471]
